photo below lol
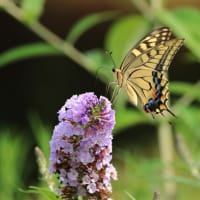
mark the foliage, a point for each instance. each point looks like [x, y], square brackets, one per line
[139, 176]
[43, 192]
[13, 155]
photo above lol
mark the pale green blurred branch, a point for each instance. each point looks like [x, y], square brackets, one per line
[156, 5]
[186, 99]
[48, 36]
[143, 7]
[147, 8]
[129, 195]
[44, 170]
[186, 155]
[166, 146]
[156, 196]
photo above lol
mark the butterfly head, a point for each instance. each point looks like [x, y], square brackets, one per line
[113, 70]
[118, 75]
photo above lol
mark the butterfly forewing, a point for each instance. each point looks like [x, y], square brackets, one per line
[143, 72]
[155, 38]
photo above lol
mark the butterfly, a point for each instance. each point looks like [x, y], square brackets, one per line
[144, 71]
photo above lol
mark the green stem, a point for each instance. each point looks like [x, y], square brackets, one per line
[186, 155]
[156, 196]
[143, 7]
[185, 100]
[167, 150]
[51, 38]
[156, 5]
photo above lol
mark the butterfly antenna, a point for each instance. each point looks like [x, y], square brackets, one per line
[116, 89]
[109, 53]
[96, 78]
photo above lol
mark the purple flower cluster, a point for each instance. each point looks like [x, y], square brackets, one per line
[81, 148]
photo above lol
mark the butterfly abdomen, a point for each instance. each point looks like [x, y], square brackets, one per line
[157, 104]
[158, 99]
[152, 105]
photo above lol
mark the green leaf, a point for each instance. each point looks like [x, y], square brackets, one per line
[41, 132]
[26, 51]
[183, 22]
[129, 117]
[103, 63]
[188, 123]
[190, 117]
[87, 22]
[45, 193]
[32, 9]
[183, 180]
[185, 88]
[129, 195]
[124, 34]
[10, 151]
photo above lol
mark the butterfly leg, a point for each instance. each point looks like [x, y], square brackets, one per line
[108, 86]
[162, 113]
[114, 95]
[152, 115]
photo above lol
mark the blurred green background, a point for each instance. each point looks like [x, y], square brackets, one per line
[52, 49]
